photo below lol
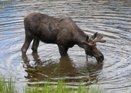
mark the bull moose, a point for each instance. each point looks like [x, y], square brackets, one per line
[61, 31]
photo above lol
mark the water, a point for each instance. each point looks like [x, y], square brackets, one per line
[109, 17]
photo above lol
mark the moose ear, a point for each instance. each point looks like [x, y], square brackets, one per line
[94, 36]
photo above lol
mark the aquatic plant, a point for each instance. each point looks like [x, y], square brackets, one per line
[62, 88]
[8, 86]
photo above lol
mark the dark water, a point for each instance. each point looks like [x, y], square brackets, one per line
[109, 17]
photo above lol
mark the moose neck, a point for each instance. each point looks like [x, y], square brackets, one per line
[81, 37]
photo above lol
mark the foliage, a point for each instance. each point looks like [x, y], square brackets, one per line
[7, 86]
[62, 88]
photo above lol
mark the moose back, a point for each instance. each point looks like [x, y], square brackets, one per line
[61, 31]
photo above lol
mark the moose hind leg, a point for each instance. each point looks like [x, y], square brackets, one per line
[35, 45]
[28, 39]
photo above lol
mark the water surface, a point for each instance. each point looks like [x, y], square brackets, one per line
[112, 18]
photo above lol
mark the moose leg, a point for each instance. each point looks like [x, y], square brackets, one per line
[63, 50]
[35, 45]
[28, 39]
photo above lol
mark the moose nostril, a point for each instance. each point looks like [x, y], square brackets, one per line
[100, 58]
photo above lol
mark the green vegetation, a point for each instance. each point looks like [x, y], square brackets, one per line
[8, 87]
[62, 88]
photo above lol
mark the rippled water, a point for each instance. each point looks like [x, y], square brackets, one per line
[109, 17]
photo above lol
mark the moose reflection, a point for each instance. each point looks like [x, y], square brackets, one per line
[63, 69]
[49, 68]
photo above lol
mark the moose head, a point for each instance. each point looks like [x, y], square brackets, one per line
[90, 46]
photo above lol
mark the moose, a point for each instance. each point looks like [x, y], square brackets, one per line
[61, 31]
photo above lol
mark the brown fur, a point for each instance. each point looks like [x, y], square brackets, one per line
[61, 31]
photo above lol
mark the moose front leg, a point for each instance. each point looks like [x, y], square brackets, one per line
[63, 50]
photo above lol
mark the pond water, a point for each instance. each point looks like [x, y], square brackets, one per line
[112, 18]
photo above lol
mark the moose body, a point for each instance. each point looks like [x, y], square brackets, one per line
[61, 31]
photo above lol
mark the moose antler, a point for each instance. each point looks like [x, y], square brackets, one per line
[97, 38]
[93, 39]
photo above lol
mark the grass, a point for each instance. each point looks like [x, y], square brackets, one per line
[62, 88]
[7, 86]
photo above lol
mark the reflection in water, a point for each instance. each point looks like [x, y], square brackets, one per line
[65, 70]
[47, 69]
